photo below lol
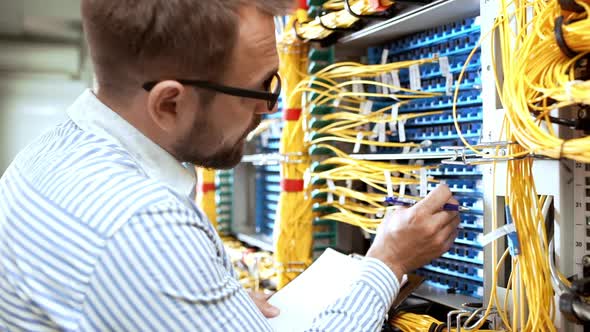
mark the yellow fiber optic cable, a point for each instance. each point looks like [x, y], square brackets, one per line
[206, 194]
[293, 227]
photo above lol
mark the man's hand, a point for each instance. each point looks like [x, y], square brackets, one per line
[260, 299]
[412, 237]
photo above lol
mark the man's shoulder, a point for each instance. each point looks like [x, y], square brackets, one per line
[89, 177]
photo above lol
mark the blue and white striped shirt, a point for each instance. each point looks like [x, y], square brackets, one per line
[98, 233]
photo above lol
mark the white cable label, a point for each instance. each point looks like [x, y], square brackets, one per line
[384, 56]
[497, 233]
[331, 184]
[368, 107]
[388, 183]
[402, 189]
[401, 129]
[423, 183]
[384, 80]
[415, 79]
[332, 188]
[349, 184]
[383, 77]
[394, 111]
[445, 68]
[395, 81]
[449, 84]
[357, 144]
[342, 200]
[357, 86]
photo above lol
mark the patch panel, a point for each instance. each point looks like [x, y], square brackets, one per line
[473, 221]
[466, 98]
[469, 237]
[456, 268]
[452, 47]
[268, 178]
[471, 80]
[456, 64]
[443, 33]
[463, 187]
[475, 204]
[453, 284]
[470, 114]
[455, 170]
[443, 132]
[466, 254]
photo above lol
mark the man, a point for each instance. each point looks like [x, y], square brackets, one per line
[97, 228]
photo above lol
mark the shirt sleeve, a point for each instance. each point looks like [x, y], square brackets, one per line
[365, 307]
[164, 272]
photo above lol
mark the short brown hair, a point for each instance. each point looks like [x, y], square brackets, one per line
[136, 40]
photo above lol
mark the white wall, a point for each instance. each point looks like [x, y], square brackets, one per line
[30, 106]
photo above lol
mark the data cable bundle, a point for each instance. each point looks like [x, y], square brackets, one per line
[293, 227]
[328, 20]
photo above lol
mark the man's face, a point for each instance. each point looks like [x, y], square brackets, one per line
[216, 137]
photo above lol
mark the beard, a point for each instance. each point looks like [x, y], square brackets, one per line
[225, 158]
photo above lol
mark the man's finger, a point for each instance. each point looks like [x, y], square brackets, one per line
[443, 218]
[270, 311]
[435, 200]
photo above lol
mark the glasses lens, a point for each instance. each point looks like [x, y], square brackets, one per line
[274, 87]
[274, 84]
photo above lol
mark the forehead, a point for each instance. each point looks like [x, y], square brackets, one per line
[255, 50]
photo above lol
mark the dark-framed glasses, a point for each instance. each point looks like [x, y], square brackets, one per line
[271, 92]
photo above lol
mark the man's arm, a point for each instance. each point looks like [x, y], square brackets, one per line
[405, 241]
[163, 272]
[364, 308]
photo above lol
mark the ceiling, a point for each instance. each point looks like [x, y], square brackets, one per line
[40, 36]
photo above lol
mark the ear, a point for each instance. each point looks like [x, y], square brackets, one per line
[163, 104]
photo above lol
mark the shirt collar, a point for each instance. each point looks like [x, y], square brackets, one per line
[91, 115]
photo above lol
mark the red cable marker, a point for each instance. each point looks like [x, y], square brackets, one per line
[206, 187]
[292, 114]
[291, 185]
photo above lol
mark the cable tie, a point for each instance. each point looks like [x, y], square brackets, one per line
[560, 39]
